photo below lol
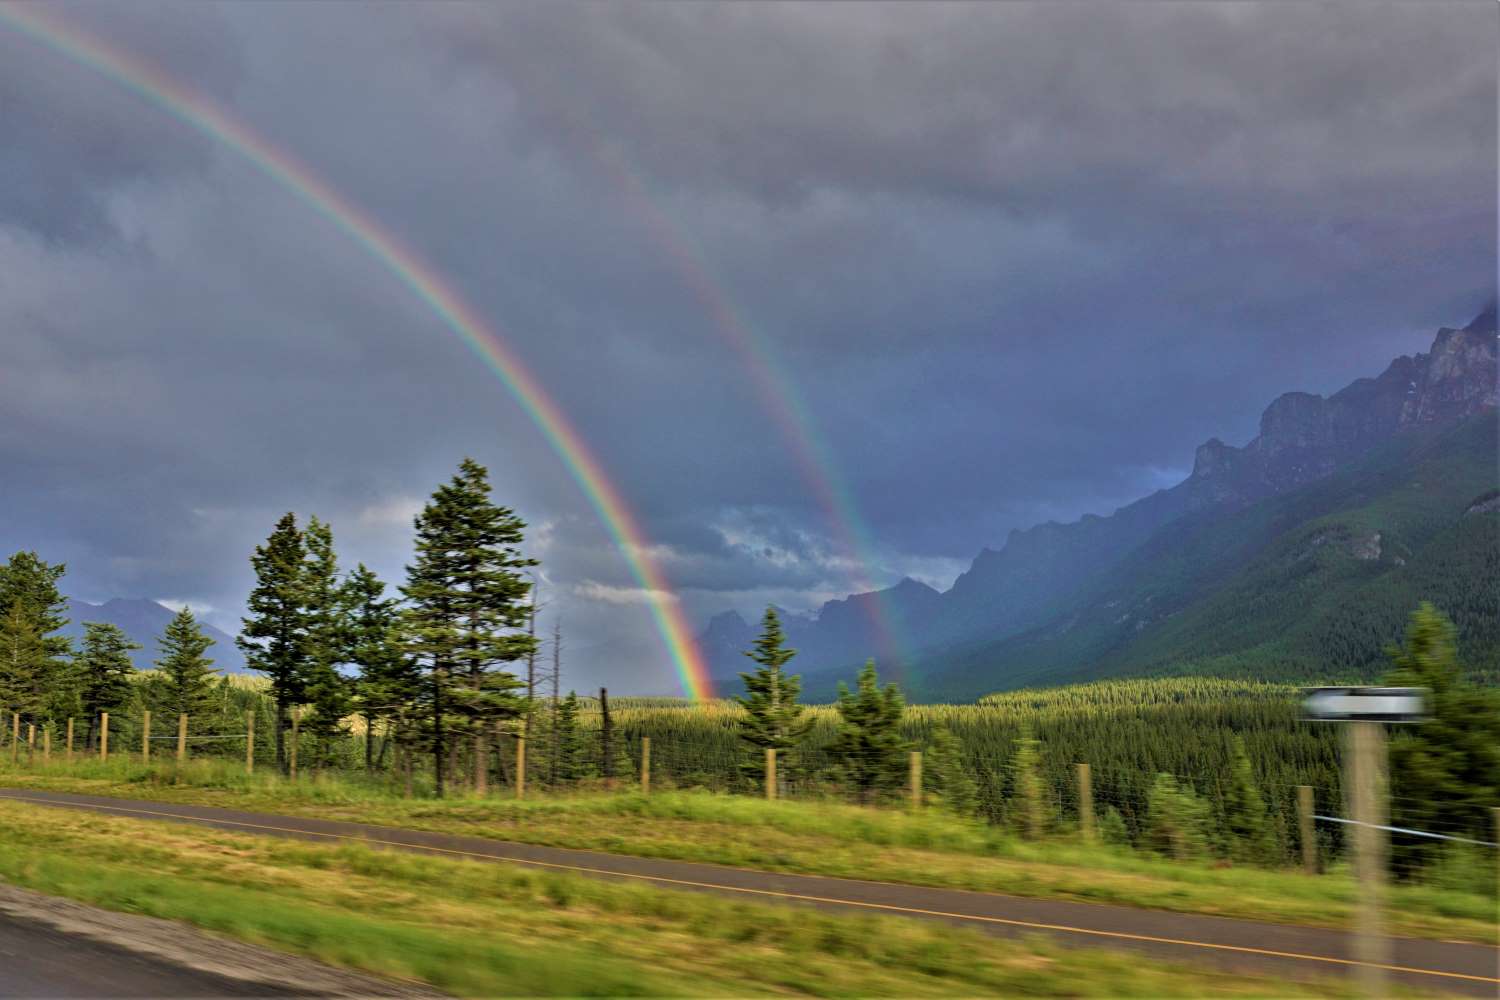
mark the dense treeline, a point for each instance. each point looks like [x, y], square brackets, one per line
[425, 671]
[1189, 766]
[417, 690]
[1129, 732]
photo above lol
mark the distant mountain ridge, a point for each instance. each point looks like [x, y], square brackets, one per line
[144, 621]
[1044, 575]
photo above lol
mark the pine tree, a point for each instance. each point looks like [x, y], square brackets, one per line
[275, 635]
[1247, 824]
[387, 681]
[36, 677]
[944, 776]
[24, 665]
[1178, 820]
[1445, 774]
[187, 674]
[868, 744]
[773, 720]
[570, 742]
[467, 606]
[26, 579]
[104, 671]
[1032, 816]
[326, 616]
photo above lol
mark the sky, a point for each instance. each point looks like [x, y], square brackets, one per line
[836, 293]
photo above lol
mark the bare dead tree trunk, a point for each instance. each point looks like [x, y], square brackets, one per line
[606, 739]
[531, 662]
[555, 747]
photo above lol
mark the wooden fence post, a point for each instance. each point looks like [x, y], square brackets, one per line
[250, 742]
[1367, 807]
[15, 737]
[182, 738]
[520, 766]
[646, 765]
[30, 742]
[145, 737]
[296, 738]
[1086, 826]
[482, 761]
[770, 773]
[914, 778]
[103, 736]
[47, 744]
[1306, 830]
[70, 739]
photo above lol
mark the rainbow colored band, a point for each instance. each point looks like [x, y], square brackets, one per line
[280, 166]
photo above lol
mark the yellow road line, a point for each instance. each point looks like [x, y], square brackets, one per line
[888, 907]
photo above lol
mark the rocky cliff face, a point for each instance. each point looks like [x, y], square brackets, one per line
[1303, 437]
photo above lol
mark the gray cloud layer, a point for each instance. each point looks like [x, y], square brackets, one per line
[1017, 260]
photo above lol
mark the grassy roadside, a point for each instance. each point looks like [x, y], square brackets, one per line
[497, 930]
[926, 849]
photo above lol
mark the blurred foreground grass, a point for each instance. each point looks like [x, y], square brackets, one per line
[927, 848]
[500, 930]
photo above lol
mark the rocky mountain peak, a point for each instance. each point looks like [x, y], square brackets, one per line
[1211, 456]
[1485, 322]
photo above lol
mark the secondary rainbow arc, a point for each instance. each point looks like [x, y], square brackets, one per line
[199, 113]
[778, 393]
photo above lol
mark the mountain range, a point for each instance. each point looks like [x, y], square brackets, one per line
[1296, 556]
[144, 621]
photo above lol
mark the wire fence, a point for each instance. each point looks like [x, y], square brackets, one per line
[1127, 803]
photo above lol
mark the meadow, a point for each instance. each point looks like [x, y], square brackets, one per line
[490, 930]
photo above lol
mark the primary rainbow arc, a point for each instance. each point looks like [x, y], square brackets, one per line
[445, 302]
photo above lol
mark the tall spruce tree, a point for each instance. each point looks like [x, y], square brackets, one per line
[104, 671]
[387, 682]
[325, 606]
[275, 634]
[35, 674]
[945, 777]
[571, 749]
[187, 673]
[1032, 816]
[868, 744]
[773, 720]
[1248, 825]
[1445, 774]
[27, 579]
[24, 665]
[467, 606]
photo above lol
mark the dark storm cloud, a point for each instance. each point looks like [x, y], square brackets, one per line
[71, 145]
[1016, 260]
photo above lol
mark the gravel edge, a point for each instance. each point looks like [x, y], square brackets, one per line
[191, 948]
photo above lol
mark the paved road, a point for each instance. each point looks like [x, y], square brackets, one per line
[40, 961]
[1246, 946]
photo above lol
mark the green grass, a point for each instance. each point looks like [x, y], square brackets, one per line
[927, 848]
[498, 930]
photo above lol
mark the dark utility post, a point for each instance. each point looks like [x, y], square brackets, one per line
[606, 738]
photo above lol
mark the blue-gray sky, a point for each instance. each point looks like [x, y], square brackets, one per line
[1017, 259]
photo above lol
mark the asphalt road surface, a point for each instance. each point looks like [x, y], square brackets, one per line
[1282, 951]
[37, 960]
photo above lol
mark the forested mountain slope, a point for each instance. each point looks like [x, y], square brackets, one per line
[1296, 555]
[1311, 585]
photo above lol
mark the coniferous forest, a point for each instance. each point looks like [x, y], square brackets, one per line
[432, 688]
